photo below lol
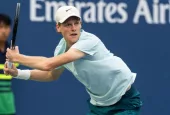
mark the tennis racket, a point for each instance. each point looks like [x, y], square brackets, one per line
[14, 33]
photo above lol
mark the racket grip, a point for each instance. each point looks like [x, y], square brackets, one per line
[9, 65]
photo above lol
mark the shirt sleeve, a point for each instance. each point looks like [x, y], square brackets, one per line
[87, 44]
[59, 50]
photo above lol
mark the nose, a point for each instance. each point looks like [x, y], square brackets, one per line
[73, 27]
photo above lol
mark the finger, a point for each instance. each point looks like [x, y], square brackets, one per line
[7, 49]
[8, 65]
[7, 59]
[13, 66]
[5, 65]
[6, 71]
[16, 47]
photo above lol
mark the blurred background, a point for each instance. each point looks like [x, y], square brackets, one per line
[135, 30]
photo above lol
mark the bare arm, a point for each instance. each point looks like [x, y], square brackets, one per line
[43, 63]
[36, 75]
[39, 75]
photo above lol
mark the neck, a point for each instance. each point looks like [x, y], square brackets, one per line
[68, 46]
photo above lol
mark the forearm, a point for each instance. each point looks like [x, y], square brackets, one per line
[39, 75]
[31, 61]
[46, 64]
[43, 76]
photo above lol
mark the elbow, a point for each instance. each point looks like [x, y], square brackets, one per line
[47, 66]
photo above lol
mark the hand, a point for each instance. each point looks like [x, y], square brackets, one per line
[11, 54]
[13, 71]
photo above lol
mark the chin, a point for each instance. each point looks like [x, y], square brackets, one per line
[75, 38]
[74, 41]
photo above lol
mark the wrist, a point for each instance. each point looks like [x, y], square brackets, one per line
[17, 58]
[23, 74]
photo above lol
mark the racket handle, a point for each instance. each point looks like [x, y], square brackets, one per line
[9, 65]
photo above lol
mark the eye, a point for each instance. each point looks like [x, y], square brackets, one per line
[76, 23]
[67, 25]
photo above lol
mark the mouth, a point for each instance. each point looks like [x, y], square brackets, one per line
[73, 34]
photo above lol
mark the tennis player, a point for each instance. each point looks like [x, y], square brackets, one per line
[106, 77]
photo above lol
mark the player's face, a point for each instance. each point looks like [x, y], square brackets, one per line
[70, 30]
[4, 32]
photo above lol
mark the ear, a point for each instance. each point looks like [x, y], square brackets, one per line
[58, 28]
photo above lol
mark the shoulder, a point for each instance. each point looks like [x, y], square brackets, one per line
[88, 36]
[61, 42]
[60, 48]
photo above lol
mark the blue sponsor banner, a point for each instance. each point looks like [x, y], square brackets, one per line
[137, 31]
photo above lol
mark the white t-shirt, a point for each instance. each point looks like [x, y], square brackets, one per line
[105, 76]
